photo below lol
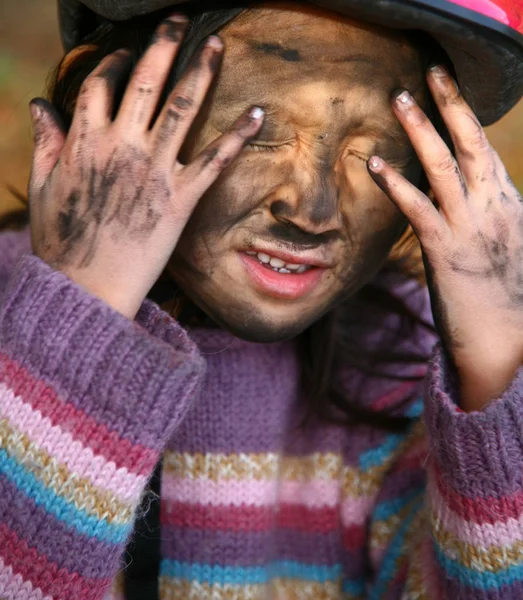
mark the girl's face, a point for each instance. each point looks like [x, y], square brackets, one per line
[301, 192]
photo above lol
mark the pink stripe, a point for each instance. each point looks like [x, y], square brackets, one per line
[215, 493]
[14, 586]
[399, 393]
[314, 493]
[79, 460]
[485, 534]
[135, 458]
[355, 511]
[60, 584]
[428, 569]
[478, 510]
[252, 492]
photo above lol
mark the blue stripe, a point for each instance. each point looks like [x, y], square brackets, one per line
[415, 410]
[354, 587]
[387, 509]
[480, 580]
[377, 456]
[231, 575]
[389, 566]
[63, 510]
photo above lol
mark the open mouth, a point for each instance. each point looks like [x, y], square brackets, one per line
[277, 264]
[279, 279]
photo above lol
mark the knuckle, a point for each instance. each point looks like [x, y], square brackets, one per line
[444, 165]
[478, 140]
[420, 206]
[216, 160]
[182, 103]
[143, 79]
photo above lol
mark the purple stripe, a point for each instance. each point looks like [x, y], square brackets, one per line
[401, 483]
[106, 365]
[249, 549]
[52, 538]
[354, 563]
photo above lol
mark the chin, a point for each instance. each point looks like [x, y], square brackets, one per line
[255, 326]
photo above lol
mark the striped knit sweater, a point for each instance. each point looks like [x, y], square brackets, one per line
[253, 506]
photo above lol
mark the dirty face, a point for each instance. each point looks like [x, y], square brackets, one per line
[300, 195]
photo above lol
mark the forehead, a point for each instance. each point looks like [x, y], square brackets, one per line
[309, 34]
[276, 50]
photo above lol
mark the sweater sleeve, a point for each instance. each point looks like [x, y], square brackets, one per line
[88, 399]
[448, 523]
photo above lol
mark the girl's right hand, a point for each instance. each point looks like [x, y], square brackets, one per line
[109, 201]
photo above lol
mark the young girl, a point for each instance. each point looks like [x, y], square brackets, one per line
[216, 279]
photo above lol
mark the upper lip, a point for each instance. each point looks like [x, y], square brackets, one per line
[294, 256]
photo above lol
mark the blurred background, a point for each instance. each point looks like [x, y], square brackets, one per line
[30, 48]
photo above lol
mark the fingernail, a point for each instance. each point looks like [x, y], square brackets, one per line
[403, 98]
[171, 29]
[215, 42]
[36, 111]
[438, 70]
[178, 18]
[375, 163]
[256, 112]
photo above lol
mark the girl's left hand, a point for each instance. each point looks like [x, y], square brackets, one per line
[472, 245]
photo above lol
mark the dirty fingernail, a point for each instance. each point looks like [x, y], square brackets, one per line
[403, 98]
[375, 163]
[256, 112]
[438, 70]
[215, 42]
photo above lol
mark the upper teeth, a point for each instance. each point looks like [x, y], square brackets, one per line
[277, 264]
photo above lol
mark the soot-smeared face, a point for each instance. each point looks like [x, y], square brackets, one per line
[301, 194]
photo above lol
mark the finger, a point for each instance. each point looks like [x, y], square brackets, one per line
[473, 150]
[440, 166]
[96, 97]
[148, 80]
[208, 165]
[423, 216]
[49, 139]
[185, 101]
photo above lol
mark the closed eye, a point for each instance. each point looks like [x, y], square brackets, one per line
[267, 146]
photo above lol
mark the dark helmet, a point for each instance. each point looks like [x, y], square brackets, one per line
[483, 38]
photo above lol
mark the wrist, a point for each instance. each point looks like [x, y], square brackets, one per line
[119, 298]
[483, 380]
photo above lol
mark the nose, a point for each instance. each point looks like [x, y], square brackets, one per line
[313, 208]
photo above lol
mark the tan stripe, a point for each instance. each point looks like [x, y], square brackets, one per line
[489, 558]
[357, 483]
[253, 466]
[221, 466]
[289, 589]
[417, 583]
[382, 532]
[57, 477]
[278, 589]
[179, 589]
[319, 465]
[117, 589]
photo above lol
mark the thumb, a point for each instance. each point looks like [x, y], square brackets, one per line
[49, 138]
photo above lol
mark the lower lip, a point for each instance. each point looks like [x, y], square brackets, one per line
[281, 285]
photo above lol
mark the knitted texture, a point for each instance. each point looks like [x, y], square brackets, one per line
[253, 504]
